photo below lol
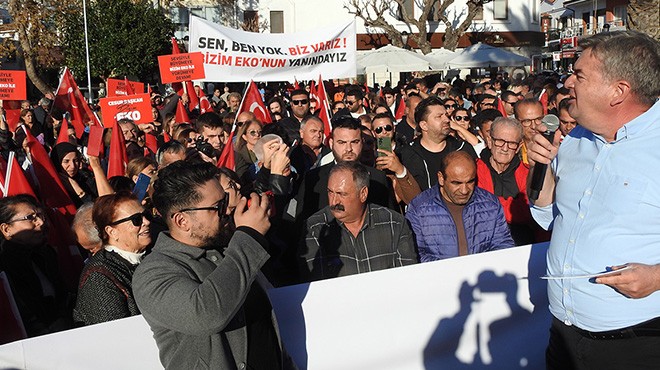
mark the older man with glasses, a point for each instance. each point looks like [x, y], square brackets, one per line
[501, 172]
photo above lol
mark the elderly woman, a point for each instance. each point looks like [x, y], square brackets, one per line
[105, 290]
[246, 161]
[31, 267]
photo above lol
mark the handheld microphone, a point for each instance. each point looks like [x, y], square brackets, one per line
[551, 123]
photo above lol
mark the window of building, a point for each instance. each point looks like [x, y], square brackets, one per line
[276, 21]
[620, 14]
[409, 6]
[500, 9]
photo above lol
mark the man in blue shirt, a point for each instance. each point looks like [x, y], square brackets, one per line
[601, 198]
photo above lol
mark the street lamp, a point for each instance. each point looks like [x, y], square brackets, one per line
[404, 39]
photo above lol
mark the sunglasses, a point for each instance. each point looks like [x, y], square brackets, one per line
[136, 219]
[255, 133]
[300, 102]
[240, 123]
[461, 118]
[221, 208]
[31, 217]
[451, 106]
[350, 102]
[380, 129]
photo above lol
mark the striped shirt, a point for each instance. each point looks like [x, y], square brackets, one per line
[330, 249]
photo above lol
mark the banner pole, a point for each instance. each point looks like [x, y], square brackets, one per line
[89, 78]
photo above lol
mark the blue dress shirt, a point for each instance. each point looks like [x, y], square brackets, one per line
[606, 212]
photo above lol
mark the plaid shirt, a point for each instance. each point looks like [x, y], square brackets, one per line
[330, 250]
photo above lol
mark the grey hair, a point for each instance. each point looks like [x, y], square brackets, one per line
[507, 122]
[171, 146]
[359, 172]
[631, 56]
[83, 221]
[309, 118]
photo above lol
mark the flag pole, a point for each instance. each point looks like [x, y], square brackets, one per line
[89, 78]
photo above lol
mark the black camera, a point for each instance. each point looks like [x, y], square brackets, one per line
[202, 146]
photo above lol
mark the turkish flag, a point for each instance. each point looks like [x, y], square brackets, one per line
[204, 104]
[324, 108]
[12, 324]
[227, 156]
[500, 107]
[129, 88]
[252, 102]
[70, 99]
[543, 98]
[193, 100]
[400, 110]
[12, 178]
[63, 136]
[117, 159]
[151, 142]
[181, 115]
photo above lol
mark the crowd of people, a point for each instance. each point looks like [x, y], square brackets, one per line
[195, 252]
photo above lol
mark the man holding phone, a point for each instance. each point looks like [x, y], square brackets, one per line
[405, 185]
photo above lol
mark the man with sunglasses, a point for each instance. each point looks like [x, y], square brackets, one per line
[353, 99]
[201, 289]
[299, 111]
[501, 172]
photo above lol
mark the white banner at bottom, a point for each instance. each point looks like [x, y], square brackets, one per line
[482, 311]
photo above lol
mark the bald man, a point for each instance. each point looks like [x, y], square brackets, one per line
[455, 217]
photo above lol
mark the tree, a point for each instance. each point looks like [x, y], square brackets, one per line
[379, 13]
[34, 22]
[644, 16]
[125, 39]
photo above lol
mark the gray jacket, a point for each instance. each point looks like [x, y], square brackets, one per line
[193, 300]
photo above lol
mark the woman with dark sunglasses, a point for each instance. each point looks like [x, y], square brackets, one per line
[105, 290]
[460, 124]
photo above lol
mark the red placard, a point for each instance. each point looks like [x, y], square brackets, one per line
[12, 85]
[135, 107]
[118, 87]
[181, 67]
[95, 141]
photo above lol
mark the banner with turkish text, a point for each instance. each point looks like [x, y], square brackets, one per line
[236, 56]
[118, 87]
[12, 85]
[135, 107]
[181, 67]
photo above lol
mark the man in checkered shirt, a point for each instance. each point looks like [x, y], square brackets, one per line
[351, 236]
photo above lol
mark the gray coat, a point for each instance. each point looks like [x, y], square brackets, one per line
[193, 300]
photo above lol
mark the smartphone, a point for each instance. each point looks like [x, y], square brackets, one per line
[384, 143]
[141, 185]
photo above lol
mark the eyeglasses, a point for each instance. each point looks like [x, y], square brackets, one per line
[513, 145]
[511, 102]
[451, 106]
[528, 122]
[380, 129]
[461, 118]
[240, 123]
[221, 207]
[255, 133]
[31, 217]
[300, 102]
[136, 219]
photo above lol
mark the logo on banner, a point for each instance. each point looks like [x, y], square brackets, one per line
[135, 107]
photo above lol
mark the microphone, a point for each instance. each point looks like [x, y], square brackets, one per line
[551, 123]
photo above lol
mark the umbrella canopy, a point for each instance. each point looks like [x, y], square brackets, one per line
[485, 56]
[440, 57]
[390, 58]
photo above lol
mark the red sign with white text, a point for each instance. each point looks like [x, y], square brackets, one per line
[118, 87]
[134, 107]
[12, 85]
[181, 67]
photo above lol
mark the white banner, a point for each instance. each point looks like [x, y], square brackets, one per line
[488, 310]
[232, 55]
